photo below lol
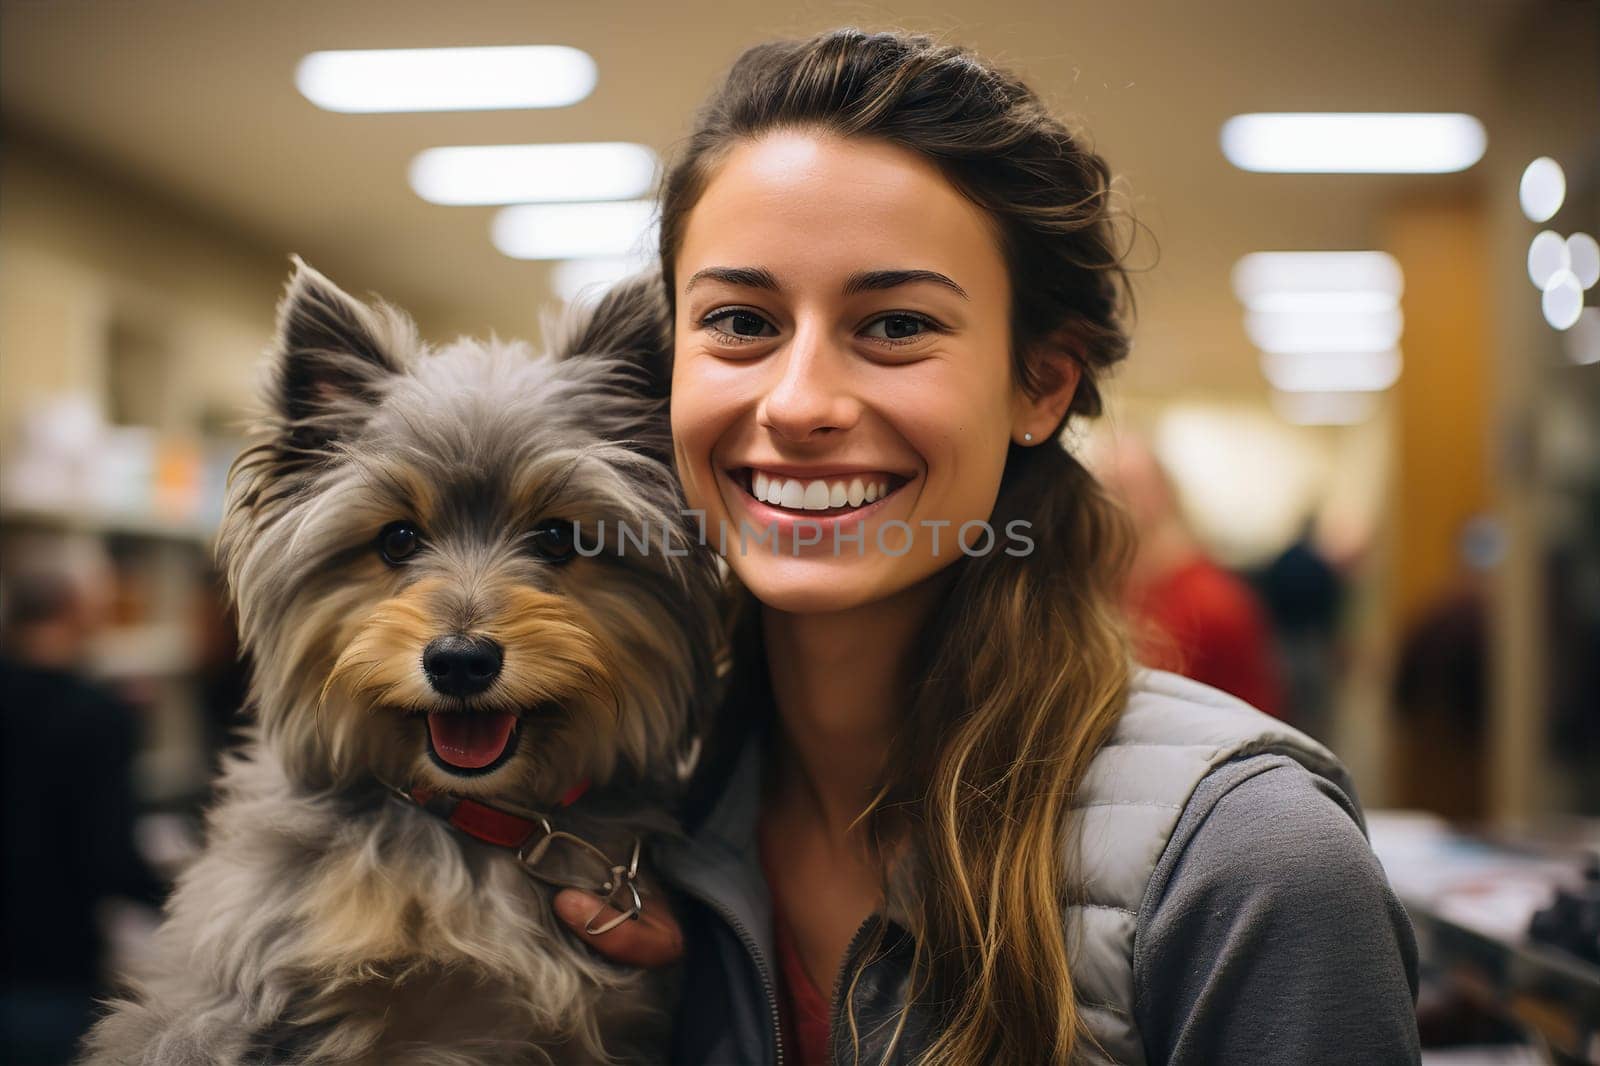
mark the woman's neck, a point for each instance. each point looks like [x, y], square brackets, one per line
[840, 683]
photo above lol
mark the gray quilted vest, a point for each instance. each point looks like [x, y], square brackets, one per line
[1173, 732]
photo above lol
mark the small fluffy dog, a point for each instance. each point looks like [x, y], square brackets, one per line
[467, 693]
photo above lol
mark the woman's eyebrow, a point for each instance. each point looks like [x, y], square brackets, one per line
[749, 277]
[861, 281]
[874, 280]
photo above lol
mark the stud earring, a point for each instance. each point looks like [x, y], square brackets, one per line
[1027, 436]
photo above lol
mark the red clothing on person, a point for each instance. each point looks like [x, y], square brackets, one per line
[1208, 625]
[802, 1008]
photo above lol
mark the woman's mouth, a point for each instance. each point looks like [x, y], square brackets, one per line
[821, 497]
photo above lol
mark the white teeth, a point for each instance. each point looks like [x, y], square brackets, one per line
[818, 495]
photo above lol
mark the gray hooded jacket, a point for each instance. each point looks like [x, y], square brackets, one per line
[1218, 847]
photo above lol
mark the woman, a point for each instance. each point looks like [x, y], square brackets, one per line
[940, 817]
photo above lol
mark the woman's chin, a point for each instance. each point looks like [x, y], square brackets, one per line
[826, 584]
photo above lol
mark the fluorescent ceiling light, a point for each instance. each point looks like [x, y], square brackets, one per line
[1543, 188]
[575, 231]
[533, 173]
[1337, 372]
[1353, 143]
[576, 280]
[1325, 408]
[1343, 302]
[446, 79]
[1323, 331]
[1285, 281]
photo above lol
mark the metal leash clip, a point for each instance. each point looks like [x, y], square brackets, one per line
[620, 889]
[622, 877]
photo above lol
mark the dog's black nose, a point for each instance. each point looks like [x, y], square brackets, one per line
[459, 665]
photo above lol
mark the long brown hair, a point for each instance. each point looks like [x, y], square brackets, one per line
[1025, 663]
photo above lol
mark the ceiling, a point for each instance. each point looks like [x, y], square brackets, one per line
[196, 100]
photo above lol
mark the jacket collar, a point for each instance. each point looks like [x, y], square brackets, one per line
[719, 861]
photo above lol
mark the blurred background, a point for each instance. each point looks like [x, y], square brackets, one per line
[1360, 429]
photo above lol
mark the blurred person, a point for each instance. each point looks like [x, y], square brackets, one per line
[1189, 614]
[936, 786]
[222, 670]
[1441, 686]
[68, 746]
[1304, 593]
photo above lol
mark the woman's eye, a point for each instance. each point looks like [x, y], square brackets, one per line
[744, 325]
[399, 541]
[554, 540]
[898, 327]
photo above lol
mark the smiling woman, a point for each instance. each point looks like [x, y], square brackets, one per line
[936, 784]
[890, 338]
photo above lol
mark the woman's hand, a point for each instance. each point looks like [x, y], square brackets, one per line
[653, 941]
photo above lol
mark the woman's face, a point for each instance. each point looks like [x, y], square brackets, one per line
[842, 332]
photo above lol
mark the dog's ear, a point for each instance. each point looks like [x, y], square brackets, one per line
[631, 320]
[333, 355]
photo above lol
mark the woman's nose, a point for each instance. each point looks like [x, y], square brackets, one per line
[812, 393]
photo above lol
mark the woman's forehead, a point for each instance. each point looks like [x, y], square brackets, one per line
[805, 204]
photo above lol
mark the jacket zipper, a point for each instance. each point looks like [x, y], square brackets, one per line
[754, 951]
[835, 1015]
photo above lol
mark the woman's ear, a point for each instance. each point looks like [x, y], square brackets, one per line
[1057, 372]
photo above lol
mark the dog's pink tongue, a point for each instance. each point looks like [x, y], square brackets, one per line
[470, 740]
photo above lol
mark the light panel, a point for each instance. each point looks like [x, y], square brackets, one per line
[575, 231]
[1269, 281]
[533, 173]
[446, 79]
[1323, 331]
[1356, 303]
[1350, 143]
[1332, 372]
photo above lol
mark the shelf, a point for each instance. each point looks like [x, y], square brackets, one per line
[1550, 991]
[108, 523]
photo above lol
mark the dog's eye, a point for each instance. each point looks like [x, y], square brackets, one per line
[554, 539]
[398, 542]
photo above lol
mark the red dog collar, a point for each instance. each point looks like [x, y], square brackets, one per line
[489, 824]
